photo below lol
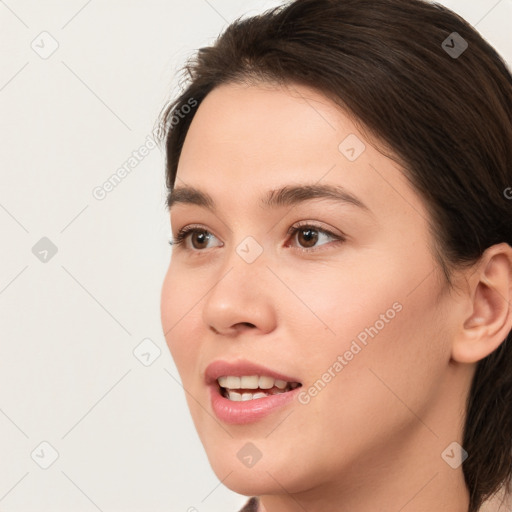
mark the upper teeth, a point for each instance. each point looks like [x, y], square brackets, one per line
[251, 382]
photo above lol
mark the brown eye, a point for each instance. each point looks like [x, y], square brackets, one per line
[199, 238]
[307, 237]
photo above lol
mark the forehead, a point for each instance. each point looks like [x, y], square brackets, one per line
[246, 140]
[241, 131]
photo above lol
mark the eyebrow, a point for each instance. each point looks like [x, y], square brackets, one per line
[288, 195]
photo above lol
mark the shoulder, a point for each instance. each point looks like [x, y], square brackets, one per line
[251, 506]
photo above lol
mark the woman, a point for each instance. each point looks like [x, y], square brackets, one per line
[338, 302]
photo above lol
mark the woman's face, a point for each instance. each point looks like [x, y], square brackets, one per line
[350, 306]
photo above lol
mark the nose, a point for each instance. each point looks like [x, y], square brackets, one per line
[240, 297]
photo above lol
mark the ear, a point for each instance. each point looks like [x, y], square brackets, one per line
[489, 297]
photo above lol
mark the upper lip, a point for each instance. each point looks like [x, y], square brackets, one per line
[240, 368]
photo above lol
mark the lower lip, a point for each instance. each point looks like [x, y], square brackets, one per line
[247, 411]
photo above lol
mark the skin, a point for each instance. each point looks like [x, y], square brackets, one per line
[372, 439]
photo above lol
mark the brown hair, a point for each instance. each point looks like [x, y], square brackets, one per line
[444, 115]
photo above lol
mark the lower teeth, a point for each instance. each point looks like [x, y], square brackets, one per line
[235, 396]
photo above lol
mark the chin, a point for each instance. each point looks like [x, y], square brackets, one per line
[251, 482]
[269, 475]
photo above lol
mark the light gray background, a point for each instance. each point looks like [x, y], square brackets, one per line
[69, 326]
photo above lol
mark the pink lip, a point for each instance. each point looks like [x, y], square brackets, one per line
[250, 410]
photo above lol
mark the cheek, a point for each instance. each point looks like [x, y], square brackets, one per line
[368, 349]
[180, 310]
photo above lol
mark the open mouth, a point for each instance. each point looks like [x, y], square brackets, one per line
[253, 387]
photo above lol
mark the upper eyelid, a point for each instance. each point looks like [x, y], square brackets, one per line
[302, 224]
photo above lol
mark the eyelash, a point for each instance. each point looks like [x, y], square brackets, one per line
[182, 235]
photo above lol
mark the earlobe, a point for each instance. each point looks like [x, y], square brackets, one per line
[490, 296]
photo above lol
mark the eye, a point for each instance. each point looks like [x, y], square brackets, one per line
[197, 235]
[308, 236]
